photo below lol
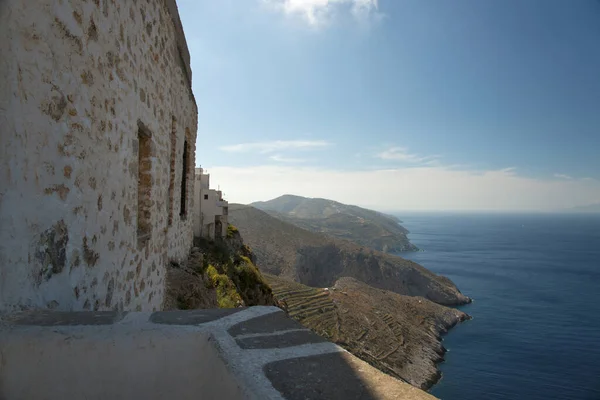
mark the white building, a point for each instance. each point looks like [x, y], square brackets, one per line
[210, 219]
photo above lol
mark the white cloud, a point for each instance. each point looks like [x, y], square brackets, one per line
[411, 188]
[563, 176]
[319, 12]
[280, 158]
[274, 146]
[402, 154]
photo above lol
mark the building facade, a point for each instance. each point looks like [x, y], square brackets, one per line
[211, 213]
[97, 141]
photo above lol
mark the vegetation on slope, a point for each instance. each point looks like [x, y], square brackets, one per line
[219, 273]
[365, 227]
[227, 293]
[231, 231]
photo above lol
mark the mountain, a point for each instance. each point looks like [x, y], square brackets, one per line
[590, 208]
[366, 227]
[399, 335]
[318, 260]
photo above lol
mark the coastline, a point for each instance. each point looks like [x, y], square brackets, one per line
[403, 336]
[434, 378]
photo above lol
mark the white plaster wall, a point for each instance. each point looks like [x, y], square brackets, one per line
[209, 210]
[225, 223]
[76, 78]
[203, 178]
[197, 203]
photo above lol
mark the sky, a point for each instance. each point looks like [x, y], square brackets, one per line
[399, 104]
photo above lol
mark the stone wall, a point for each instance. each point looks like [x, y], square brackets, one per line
[93, 96]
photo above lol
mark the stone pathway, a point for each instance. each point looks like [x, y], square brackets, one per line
[266, 354]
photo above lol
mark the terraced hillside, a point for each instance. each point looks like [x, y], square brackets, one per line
[399, 335]
[312, 307]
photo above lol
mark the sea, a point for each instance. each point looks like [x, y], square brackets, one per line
[535, 282]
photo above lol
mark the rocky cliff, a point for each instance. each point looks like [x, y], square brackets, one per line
[314, 259]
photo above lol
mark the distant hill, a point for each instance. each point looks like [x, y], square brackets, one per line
[591, 208]
[318, 260]
[399, 335]
[366, 227]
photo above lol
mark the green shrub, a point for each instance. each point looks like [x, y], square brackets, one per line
[246, 250]
[227, 295]
[231, 230]
[249, 278]
[246, 260]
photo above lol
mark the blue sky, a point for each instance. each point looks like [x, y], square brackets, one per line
[411, 104]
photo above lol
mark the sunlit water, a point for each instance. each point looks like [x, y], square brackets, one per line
[536, 284]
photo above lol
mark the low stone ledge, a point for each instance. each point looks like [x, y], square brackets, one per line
[269, 323]
[278, 341]
[192, 317]
[326, 376]
[63, 318]
[337, 376]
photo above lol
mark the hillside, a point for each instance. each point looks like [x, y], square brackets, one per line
[218, 274]
[397, 334]
[365, 227]
[315, 259]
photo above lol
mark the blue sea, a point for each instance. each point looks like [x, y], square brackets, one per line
[535, 281]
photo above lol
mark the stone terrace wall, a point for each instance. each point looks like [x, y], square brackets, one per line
[82, 81]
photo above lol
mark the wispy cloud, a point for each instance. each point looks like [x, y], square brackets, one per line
[319, 12]
[563, 176]
[275, 146]
[280, 158]
[402, 154]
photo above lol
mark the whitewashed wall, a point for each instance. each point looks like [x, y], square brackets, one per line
[77, 76]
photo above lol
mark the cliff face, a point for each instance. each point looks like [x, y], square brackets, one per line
[399, 335]
[314, 259]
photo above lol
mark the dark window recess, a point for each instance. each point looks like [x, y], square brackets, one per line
[144, 220]
[205, 197]
[172, 168]
[184, 173]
